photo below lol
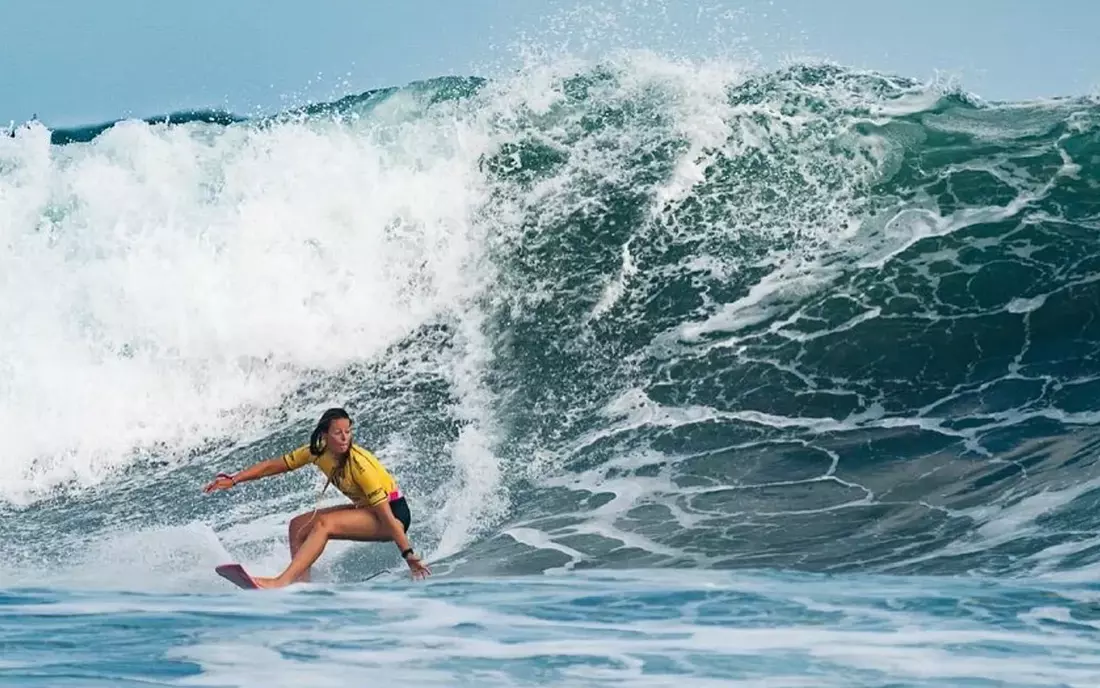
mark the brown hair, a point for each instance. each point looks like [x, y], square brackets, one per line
[319, 432]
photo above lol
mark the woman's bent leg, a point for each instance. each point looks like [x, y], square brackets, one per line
[345, 523]
[299, 528]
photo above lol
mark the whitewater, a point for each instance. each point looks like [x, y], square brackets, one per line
[692, 375]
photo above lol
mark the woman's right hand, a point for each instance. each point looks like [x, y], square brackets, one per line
[221, 482]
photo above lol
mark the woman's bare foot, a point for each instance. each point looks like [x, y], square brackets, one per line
[268, 582]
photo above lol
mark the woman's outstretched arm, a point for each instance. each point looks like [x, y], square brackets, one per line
[256, 471]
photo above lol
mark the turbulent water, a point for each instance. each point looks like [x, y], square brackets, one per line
[691, 375]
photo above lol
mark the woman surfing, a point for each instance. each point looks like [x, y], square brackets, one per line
[378, 512]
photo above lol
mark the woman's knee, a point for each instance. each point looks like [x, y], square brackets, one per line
[300, 526]
[325, 523]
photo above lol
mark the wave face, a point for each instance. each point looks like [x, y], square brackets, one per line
[637, 314]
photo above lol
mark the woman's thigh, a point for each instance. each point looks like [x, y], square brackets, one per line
[301, 524]
[354, 523]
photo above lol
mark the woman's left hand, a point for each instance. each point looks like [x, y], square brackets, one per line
[417, 567]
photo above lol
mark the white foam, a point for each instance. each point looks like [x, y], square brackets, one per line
[1026, 305]
[478, 495]
[161, 559]
[164, 286]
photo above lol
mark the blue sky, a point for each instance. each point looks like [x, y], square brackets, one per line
[81, 63]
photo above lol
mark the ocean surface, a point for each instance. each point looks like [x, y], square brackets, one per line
[693, 375]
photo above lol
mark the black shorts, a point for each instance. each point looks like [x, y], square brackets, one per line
[400, 509]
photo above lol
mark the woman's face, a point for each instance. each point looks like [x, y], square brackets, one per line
[338, 437]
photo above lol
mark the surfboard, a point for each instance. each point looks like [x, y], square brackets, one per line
[235, 574]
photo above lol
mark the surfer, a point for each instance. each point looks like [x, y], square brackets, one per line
[378, 512]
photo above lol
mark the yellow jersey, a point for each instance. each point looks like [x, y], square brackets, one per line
[365, 481]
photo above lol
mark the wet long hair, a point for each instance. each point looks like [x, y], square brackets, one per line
[317, 449]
